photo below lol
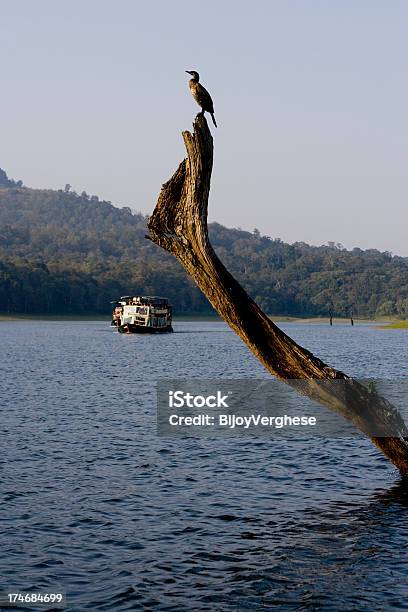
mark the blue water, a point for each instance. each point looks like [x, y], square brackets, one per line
[94, 503]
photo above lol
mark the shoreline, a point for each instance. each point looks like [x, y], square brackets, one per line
[396, 324]
[382, 323]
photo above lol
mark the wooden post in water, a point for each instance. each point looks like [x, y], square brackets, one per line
[331, 310]
[179, 225]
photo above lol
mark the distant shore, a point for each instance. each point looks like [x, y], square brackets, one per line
[383, 323]
[396, 325]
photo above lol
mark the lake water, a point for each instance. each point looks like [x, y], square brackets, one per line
[93, 502]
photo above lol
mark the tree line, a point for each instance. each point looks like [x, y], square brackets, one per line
[64, 253]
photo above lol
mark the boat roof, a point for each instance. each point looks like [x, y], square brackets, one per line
[144, 299]
[153, 298]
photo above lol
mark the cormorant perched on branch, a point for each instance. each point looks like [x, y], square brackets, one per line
[201, 95]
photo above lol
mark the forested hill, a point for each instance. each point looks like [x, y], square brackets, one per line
[65, 253]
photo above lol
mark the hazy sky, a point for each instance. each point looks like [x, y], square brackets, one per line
[310, 98]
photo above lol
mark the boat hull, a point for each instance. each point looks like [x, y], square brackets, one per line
[131, 328]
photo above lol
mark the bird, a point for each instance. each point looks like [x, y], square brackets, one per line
[201, 95]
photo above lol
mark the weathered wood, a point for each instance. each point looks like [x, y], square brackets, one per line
[179, 225]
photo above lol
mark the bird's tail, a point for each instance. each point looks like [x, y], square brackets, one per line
[213, 118]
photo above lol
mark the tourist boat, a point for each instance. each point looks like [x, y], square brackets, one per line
[142, 315]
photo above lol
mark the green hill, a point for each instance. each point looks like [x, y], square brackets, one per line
[64, 253]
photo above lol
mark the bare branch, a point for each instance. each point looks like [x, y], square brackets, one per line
[179, 225]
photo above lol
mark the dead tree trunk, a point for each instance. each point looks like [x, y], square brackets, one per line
[179, 225]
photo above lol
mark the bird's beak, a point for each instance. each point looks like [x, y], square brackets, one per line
[189, 72]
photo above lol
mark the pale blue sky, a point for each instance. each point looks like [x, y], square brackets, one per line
[310, 98]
